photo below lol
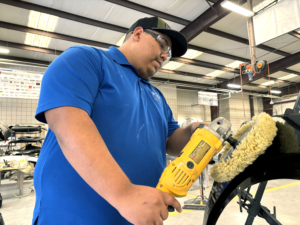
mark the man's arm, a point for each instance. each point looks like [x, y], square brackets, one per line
[180, 137]
[84, 148]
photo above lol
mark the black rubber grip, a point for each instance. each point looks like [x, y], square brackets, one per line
[233, 142]
[171, 208]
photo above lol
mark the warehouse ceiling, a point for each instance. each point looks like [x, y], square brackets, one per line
[220, 37]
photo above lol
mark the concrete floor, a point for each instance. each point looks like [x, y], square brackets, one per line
[284, 194]
[16, 211]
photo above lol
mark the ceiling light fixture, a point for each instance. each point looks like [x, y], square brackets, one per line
[40, 21]
[2, 50]
[234, 85]
[268, 83]
[191, 54]
[236, 8]
[234, 65]
[37, 40]
[172, 65]
[215, 73]
[275, 92]
[287, 77]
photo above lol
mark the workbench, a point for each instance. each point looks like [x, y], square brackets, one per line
[20, 176]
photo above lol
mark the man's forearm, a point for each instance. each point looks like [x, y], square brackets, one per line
[180, 138]
[86, 151]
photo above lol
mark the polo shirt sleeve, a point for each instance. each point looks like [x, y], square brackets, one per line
[72, 79]
[172, 124]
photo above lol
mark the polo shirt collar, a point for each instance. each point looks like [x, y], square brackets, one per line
[120, 58]
[117, 56]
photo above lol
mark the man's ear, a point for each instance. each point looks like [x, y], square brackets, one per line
[137, 33]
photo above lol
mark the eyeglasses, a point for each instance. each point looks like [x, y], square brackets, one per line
[163, 43]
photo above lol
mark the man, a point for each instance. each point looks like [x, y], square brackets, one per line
[106, 146]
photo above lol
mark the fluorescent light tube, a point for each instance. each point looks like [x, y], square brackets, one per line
[172, 65]
[42, 21]
[236, 8]
[37, 40]
[234, 85]
[268, 83]
[234, 65]
[215, 73]
[2, 50]
[275, 92]
[191, 54]
[287, 77]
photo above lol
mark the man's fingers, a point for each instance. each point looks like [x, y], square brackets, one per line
[164, 213]
[159, 222]
[170, 200]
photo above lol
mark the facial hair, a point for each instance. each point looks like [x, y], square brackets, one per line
[148, 74]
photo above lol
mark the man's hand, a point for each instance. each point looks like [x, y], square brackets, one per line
[180, 137]
[142, 205]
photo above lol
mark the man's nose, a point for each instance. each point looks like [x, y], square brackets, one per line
[164, 56]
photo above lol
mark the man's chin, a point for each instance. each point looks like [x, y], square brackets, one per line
[147, 75]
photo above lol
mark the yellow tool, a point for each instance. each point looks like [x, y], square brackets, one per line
[180, 175]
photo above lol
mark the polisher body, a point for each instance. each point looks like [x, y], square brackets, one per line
[181, 173]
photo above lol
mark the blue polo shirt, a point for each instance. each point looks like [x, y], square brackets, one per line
[131, 115]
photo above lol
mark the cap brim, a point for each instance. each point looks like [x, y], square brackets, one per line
[179, 43]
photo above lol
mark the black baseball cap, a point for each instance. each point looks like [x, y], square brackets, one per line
[179, 43]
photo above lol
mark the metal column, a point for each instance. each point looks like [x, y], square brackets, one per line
[251, 36]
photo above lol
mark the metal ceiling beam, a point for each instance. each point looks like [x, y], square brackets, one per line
[85, 20]
[46, 64]
[150, 11]
[62, 14]
[244, 41]
[191, 89]
[30, 48]
[193, 28]
[213, 1]
[205, 64]
[29, 61]
[290, 71]
[182, 60]
[218, 79]
[220, 92]
[278, 80]
[274, 67]
[205, 20]
[16, 27]
[293, 89]
[279, 65]
[256, 85]
[227, 36]
[295, 34]
[180, 82]
[169, 17]
[216, 53]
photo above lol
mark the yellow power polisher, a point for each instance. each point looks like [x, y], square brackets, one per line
[205, 143]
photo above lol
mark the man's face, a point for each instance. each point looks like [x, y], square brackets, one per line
[150, 56]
